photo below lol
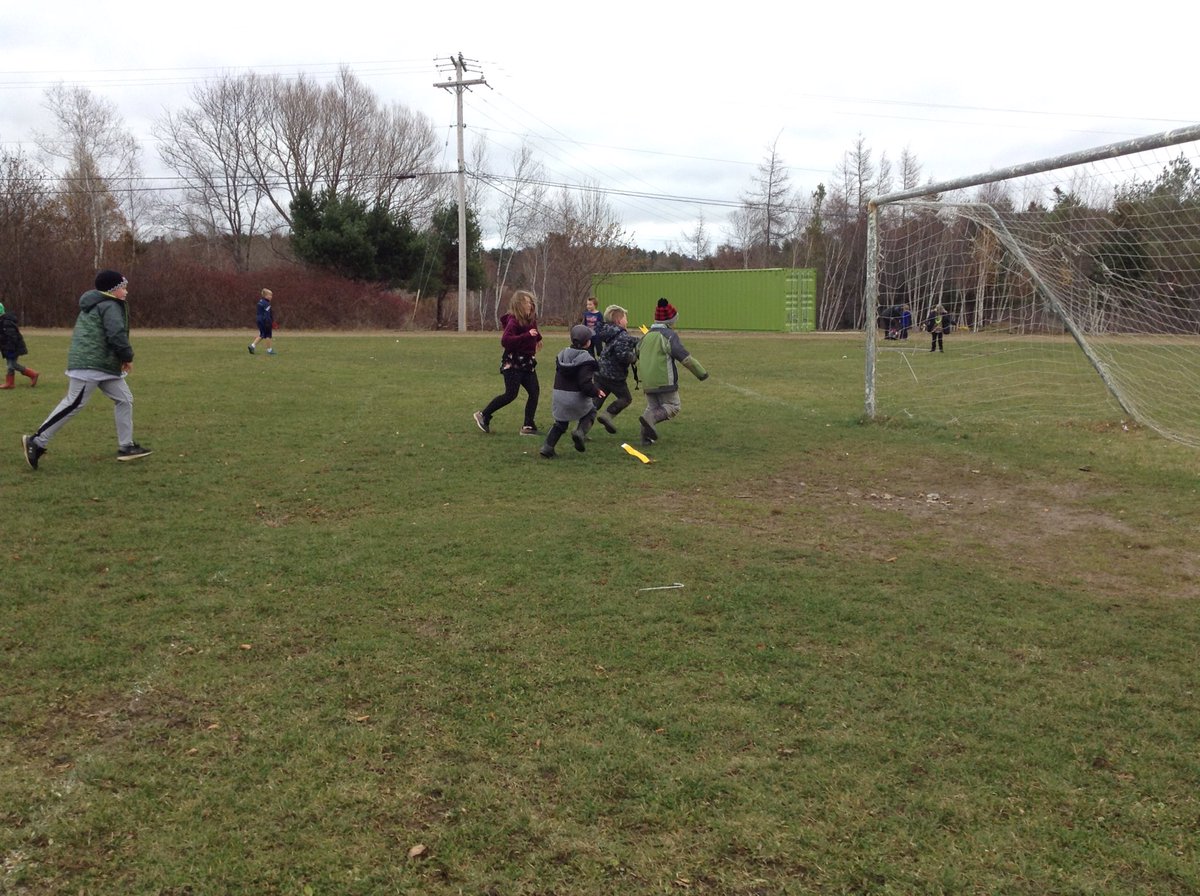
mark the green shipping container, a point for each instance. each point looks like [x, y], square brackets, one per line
[777, 300]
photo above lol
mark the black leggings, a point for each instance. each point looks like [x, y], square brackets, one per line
[514, 380]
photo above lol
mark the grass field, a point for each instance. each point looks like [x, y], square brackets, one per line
[331, 639]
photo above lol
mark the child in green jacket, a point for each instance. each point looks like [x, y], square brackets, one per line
[660, 350]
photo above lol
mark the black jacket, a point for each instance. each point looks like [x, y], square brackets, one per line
[12, 343]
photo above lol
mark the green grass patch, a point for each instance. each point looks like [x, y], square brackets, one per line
[330, 638]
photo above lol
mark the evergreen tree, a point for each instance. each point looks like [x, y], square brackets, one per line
[439, 270]
[341, 234]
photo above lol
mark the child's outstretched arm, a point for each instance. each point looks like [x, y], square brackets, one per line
[695, 367]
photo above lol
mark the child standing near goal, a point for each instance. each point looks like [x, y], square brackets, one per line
[938, 324]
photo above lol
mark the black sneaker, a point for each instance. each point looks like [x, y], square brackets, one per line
[528, 430]
[649, 433]
[481, 421]
[33, 451]
[132, 452]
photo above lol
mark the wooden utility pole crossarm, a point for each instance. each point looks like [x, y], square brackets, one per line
[460, 83]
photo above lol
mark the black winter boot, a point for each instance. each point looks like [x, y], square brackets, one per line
[579, 436]
[649, 433]
[552, 437]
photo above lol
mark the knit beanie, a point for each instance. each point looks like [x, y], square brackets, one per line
[107, 281]
[665, 312]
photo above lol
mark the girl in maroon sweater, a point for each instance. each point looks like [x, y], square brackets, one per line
[521, 340]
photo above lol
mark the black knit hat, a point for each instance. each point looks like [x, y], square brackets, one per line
[107, 281]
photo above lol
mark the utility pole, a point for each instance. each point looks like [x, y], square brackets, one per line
[460, 84]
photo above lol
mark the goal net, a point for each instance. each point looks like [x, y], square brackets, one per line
[1068, 292]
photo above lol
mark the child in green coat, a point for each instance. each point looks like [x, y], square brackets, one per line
[660, 350]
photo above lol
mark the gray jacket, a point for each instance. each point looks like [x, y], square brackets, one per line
[574, 384]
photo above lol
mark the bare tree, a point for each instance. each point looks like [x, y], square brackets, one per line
[477, 162]
[210, 147]
[766, 206]
[517, 217]
[248, 145]
[585, 238]
[857, 175]
[338, 139]
[742, 231]
[29, 234]
[92, 141]
[697, 242]
[910, 169]
[883, 176]
[800, 220]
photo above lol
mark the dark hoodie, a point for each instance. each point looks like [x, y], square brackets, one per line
[12, 343]
[574, 384]
[101, 337]
[617, 350]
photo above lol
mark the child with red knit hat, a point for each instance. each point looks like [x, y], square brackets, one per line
[658, 353]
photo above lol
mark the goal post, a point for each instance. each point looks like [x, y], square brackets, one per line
[1070, 287]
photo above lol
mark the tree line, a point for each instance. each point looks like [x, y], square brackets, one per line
[1114, 252]
[331, 198]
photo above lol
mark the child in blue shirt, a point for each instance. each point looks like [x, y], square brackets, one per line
[592, 319]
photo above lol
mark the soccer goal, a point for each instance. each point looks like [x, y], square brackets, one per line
[1068, 290]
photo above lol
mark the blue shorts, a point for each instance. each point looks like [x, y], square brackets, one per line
[264, 329]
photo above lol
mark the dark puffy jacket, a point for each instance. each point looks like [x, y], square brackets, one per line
[101, 337]
[617, 348]
[12, 343]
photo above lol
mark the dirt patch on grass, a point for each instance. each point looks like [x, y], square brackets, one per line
[1059, 532]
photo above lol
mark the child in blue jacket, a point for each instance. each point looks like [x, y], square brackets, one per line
[265, 319]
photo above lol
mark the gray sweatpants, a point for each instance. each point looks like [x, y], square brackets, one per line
[662, 406]
[79, 392]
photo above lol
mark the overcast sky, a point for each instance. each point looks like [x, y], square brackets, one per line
[676, 104]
